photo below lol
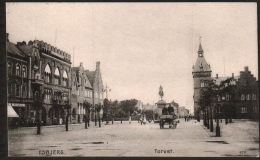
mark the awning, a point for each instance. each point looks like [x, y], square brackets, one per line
[11, 112]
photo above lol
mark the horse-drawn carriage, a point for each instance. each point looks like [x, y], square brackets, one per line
[164, 113]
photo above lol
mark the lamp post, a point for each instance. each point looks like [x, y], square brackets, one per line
[207, 115]
[67, 116]
[38, 99]
[217, 127]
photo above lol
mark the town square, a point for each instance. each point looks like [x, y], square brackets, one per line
[132, 80]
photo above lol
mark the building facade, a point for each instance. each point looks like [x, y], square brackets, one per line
[81, 94]
[238, 97]
[96, 82]
[43, 86]
[19, 90]
[201, 71]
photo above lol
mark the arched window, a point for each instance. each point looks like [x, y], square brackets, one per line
[24, 72]
[47, 74]
[65, 78]
[9, 68]
[57, 76]
[18, 70]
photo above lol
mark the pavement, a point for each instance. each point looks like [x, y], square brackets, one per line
[189, 139]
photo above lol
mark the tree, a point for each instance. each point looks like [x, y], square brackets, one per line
[129, 106]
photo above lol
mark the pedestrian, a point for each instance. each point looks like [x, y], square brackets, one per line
[61, 121]
[130, 119]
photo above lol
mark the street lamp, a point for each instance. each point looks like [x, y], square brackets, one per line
[217, 127]
[68, 106]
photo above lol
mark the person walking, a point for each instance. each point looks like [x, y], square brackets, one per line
[130, 119]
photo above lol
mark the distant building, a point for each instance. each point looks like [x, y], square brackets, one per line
[183, 112]
[139, 105]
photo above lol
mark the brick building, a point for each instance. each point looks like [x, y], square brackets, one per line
[201, 71]
[96, 82]
[81, 93]
[49, 81]
[239, 96]
[19, 89]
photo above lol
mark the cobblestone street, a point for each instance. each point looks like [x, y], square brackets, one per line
[189, 139]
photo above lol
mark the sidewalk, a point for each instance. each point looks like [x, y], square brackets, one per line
[242, 134]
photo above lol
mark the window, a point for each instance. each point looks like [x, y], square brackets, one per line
[242, 97]
[47, 74]
[228, 97]
[243, 110]
[57, 76]
[248, 97]
[24, 72]
[219, 98]
[9, 69]
[202, 84]
[253, 96]
[18, 70]
[65, 78]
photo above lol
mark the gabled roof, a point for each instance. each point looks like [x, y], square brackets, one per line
[11, 48]
[91, 76]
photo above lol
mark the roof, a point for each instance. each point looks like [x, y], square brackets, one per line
[161, 102]
[91, 76]
[27, 49]
[201, 64]
[11, 48]
[218, 80]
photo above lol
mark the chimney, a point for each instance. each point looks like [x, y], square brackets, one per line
[246, 68]
[216, 75]
[7, 37]
[232, 75]
[81, 64]
[98, 65]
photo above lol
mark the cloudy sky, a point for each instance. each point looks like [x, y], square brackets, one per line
[144, 45]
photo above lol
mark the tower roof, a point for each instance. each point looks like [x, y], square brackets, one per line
[201, 64]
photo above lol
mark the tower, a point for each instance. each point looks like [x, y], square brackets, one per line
[200, 71]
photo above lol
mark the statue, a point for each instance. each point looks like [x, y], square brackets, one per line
[161, 92]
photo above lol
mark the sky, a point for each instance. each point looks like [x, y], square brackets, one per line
[144, 45]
